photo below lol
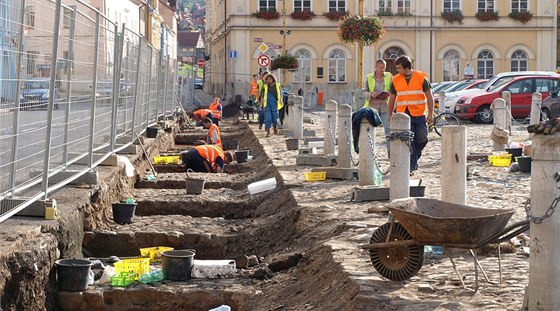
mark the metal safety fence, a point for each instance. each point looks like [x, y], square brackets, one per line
[75, 87]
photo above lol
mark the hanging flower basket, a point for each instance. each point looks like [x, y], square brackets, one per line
[268, 15]
[365, 30]
[453, 16]
[284, 61]
[302, 15]
[523, 16]
[485, 16]
[335, 16]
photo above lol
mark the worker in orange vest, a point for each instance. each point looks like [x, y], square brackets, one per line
[213, 137]
[254, 93]
[200, 114]
[411, 93]
[216, 108]
[206, 159]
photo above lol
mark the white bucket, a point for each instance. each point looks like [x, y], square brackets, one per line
[263, 185]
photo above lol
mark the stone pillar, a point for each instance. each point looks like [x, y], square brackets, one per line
[544, 276]
[454, 164]
[345, 136]
[506, 95]
[331, 110]
[441, 101]
[288, 123]
[500, 119]
[298, 117]
[366, 166]
[536, 108]
[400, 158]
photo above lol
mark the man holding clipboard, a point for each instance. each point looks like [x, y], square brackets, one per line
[378, 84]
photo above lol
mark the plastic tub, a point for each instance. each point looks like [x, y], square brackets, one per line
[241, 156]
[315, 176]
[123, 212]
[261, 186]
[524, 164]
[72, 274]
[177, 264]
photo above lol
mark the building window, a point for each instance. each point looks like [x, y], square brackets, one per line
[451, 5]
[485, 6]
[337, 66]
[305, 68]
[519, 61]
[403, 7]
[519, 5]
[390, 55]
[31, 61]
[67, 20]
[267, 5]
[385, 5]
[337, 5]
[30, 16]
[302, 5]
[485, 64]
[451, 65]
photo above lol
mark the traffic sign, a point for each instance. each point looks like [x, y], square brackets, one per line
[263, 60]
[200, 63]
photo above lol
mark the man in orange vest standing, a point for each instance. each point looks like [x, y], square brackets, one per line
[411, 93]
[254, 93]
[216, 108]
[213, 137]
[206, 159]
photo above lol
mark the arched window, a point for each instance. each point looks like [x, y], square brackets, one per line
[451, 65]
[337, 66]
[304, 71]
[390, 55]
[519, 61]
[485, 64]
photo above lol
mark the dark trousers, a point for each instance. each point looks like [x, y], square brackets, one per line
[194, 161]
[261, 116]
[419, 127]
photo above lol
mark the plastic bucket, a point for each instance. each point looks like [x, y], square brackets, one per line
[524, 164]
[72, 274]
[123, 212]
[177, 264]
[292, 144]
[232, 144]
[195, 185]
[515, 152]
[241, 156]
[151, 132]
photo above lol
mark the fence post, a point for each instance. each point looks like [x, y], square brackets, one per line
[15, 122]
[46, 164]
[69, 64]
[149, 86]
[135, 107]
[94, 91]
[158, 80]
[165, 82]
[117, 60]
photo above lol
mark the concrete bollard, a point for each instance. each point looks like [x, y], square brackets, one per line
[500, 114]
[331, 110]
[288, 123]
[441, 102]
[506, 95]
[298, 117]
[366, 166]
[454, 164]
[536, 102]
[345, 136]
[544, 277]
[400, 158]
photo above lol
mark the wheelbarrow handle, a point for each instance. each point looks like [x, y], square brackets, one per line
[507, 233]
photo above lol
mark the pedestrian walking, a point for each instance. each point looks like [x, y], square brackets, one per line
[271, 99]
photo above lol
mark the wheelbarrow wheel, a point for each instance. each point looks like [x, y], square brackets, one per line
[396, 263]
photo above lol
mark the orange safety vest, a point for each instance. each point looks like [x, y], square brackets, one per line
[216, 110]
[411, 95]
[202, 113]
[254, 88]
[213, 131]
[210, 153]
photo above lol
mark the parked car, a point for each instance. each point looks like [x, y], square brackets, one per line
[35, 94]
[198, 83]
[458, 86]
[477, 106]
[104, 90]
[550, 106]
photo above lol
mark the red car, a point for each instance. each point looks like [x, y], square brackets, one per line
[477, 106]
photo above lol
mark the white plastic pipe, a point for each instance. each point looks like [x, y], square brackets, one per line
[331, 110]
[345, 136]
[400, 158]
[366, 166]
[454, 164]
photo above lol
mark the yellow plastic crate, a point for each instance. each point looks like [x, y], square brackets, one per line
[167, 160]
[154, 253]
[315, 176]
[136, 265]
[123, 279]
[500, 160]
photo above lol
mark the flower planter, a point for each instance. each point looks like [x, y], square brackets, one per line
[267, 15]
[523, 17]
[285, 61]
[364, 30]
[302, 15]
[453, 16]
[335, 16]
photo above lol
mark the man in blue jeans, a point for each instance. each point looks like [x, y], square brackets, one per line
[411, 94]
[260, 110]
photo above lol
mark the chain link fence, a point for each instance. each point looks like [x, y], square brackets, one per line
[75, 88]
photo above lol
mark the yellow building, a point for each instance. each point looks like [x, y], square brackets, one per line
[475, 35]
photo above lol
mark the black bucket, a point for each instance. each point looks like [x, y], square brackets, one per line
[230, 144]
[72, 274]
[195, 185]
[515, 152]
[177, 264]
[151, 132]
[123, 212]
[241, 156]
[524, 164]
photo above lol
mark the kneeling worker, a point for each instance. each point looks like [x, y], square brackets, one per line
[200, 114]
[206, 159]
[213, 137]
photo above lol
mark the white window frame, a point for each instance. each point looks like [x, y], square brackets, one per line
[303, 7]
[30, 16]
[337, 8]
[518, 8]
[405, 9]
[452, 7]
[486, 61]
[306, 64]
[339, 62]
[518, 60]
[268, 7]
[453, 65]
[384, 5]
[486, 5]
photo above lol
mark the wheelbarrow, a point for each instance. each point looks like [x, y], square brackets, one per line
[396, 248]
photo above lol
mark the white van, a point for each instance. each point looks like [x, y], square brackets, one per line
[452, 98]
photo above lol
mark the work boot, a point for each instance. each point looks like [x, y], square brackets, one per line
[260, 126]
[268, 133]
[275, 131]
